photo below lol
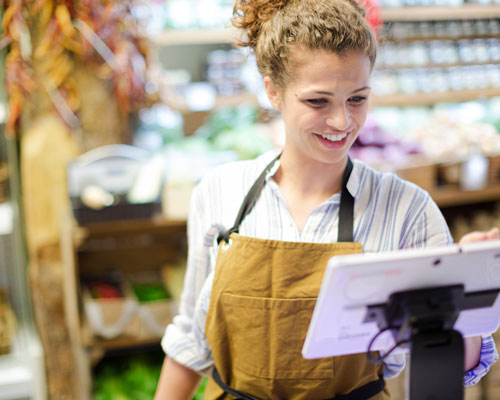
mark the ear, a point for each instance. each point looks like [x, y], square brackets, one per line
[272, 93]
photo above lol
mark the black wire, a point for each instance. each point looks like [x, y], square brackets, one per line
[380, 359]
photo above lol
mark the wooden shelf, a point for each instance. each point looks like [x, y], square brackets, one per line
[127, 227]
[453, 196]
[440, 13]
[408, 39]
[178, 103]
[173, 37]
[432, 65]
[423, 99]
[117, 343]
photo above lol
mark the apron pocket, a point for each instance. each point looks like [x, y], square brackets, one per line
[266, 336]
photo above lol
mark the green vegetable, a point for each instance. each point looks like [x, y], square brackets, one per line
[150, 292]
[132, 378]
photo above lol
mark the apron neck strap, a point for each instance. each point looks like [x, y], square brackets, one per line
[346, 212]
[249, 201]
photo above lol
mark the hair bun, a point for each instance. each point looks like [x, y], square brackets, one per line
[249, 15]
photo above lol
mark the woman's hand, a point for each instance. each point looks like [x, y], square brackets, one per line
[477, 236]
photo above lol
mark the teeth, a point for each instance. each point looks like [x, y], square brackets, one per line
[334, 138]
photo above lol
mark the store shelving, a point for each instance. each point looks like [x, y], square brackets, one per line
[440, 13]
[92, 343]
[449, 196]
[398, 67]
[129, 245]
[182, 38]
[173, 37]
[427, 99]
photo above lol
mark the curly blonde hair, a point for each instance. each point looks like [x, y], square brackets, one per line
[274, 27]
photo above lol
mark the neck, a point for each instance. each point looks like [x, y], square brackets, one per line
[311, 179]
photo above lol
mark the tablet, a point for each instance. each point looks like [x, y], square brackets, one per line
[351, 283]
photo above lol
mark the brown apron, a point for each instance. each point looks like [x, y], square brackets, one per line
[262, 299]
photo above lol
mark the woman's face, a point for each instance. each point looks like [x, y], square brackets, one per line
[325, 104]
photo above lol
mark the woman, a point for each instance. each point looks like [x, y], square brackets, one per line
[289, 214]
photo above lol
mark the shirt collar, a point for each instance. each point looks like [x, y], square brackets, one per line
[353, 184]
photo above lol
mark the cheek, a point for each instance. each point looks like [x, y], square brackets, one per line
[359, 114]
[301, 117]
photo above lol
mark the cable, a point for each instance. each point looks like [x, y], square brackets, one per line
[381, 359]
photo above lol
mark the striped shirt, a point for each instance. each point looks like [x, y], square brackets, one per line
[389, 214]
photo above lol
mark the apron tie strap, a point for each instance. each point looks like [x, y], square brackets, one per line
[228, 389]
[364, 392]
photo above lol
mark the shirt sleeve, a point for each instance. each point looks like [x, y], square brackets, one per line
[394, 365]
[178, 340]
[191, 348]
[425, 225]
[489, 356]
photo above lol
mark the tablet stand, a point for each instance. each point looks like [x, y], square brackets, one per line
[425, 318]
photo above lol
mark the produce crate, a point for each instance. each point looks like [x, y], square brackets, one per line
[156, 306]
[154, 318]
[110, 318]
[494, 169]
[421, 173]
[449, 173]
[140, 313]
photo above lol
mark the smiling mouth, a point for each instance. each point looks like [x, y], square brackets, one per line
[334, 137]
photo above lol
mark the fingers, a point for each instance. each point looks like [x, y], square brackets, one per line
[493, 233]
[476, 236]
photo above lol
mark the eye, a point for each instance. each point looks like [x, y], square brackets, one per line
[356, 100]
[317, 102]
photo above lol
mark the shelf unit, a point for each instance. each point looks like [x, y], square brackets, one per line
[395, 100]
[440, 13]
[171, 37]
[449, 196]
[427, 99]
[131, 246]
[176, 38]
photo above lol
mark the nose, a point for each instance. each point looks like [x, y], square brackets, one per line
[338, 118]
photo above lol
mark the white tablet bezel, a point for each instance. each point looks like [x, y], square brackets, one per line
[353, 282]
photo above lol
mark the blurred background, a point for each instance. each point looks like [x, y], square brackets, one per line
[111, 112]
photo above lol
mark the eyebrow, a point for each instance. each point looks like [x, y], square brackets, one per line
[355, 91]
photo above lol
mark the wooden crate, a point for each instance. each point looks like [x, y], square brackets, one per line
[494, 169]
[421, 173]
